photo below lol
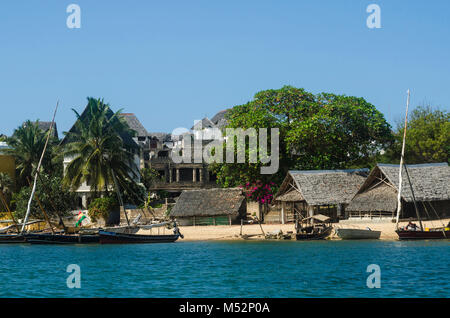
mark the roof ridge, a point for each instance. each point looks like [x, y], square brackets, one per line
[431, 164]
[329, 171]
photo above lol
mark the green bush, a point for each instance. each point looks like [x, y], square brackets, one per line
[51, 195]
[101, 207]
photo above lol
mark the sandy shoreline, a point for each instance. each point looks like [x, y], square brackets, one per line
[226, 232]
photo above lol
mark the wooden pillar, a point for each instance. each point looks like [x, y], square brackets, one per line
[229, 219]
[178, 175]
[310, 213]
[194, 175]
[200, 171]
[170, 175]
[283, 213]
[339, 210]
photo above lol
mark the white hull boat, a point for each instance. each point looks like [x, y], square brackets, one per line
[358, 234]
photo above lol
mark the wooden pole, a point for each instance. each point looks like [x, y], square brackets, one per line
[45, 214]
[414, 200]
[261, 227]
[2, 197]
[120, 197]
[399, 195]
[47, 219]
[38, 168]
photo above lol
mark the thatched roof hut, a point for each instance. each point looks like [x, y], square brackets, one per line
[430, 183]
[321, 187]
[210, 206]
[318, 191]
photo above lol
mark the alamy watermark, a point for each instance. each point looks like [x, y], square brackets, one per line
[374, 279]
[74, 19]
[74, 279]
[195, 148]
[374, 19]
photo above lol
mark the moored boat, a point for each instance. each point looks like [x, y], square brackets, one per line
[315, 231]
[430, 234]
[127, 238]
[11, 238]
[49, 238]
[358, 234]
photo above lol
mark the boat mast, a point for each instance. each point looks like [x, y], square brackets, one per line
[37, 170]
[414, 199]
[399, 195]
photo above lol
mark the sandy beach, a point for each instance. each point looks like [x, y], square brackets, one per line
[226, 232]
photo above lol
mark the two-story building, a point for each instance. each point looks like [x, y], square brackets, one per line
[156, 153]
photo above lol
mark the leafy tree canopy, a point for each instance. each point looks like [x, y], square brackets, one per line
[427, 137]
[51, 195]
[317, 131]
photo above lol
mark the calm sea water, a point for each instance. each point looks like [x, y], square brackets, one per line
[228, 269]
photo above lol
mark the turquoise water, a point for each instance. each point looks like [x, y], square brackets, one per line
[228, 269]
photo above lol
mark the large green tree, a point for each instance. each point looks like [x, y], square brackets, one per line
[427, 137]
[56, 200]
[322, 131]
[99, 154]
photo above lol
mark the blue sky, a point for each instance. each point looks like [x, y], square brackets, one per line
[171, 62]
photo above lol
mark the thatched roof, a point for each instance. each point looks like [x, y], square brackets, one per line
[219, 119]
[45, 126]
[163, 137]
[380, 198]
[134, 123]
[324, 187]
[430, 182]
[208, 202]
[290, 196]
[203, 124]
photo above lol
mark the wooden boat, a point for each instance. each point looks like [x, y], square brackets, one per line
[358, 234]
[11, 238]
[317, 231]
[127, 238]
[49, 238]
[431, 234]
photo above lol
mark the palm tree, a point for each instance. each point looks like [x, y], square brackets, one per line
[97, 150]
[26, 145]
